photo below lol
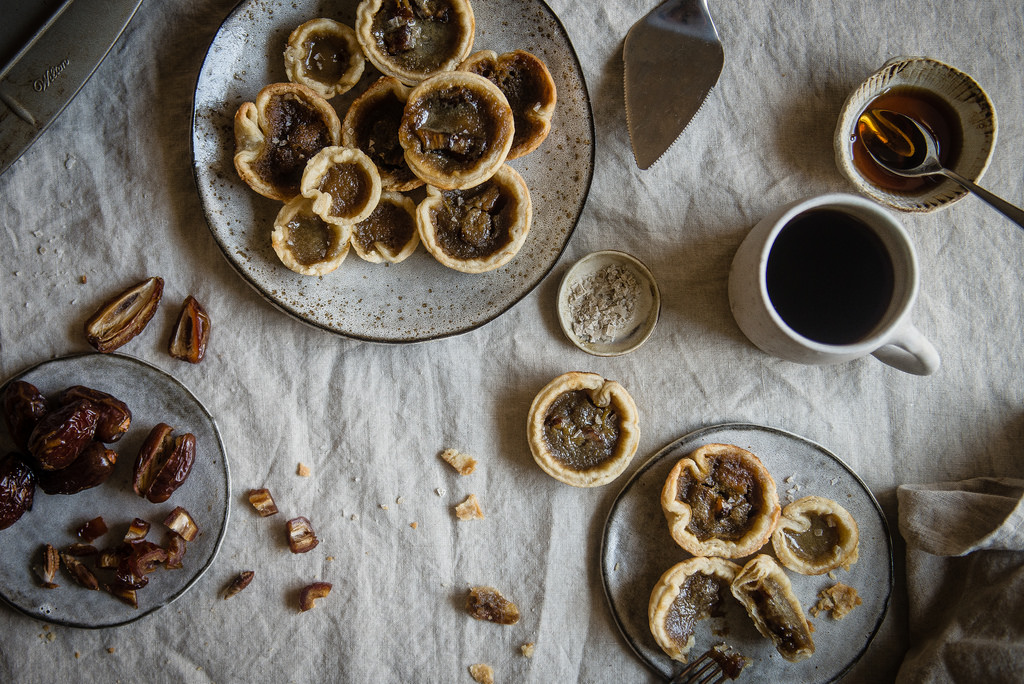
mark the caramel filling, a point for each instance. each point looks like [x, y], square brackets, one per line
[327, 58]
[522, 87]
[348, 187]
[723, 504]
[819, 542]
[389, 225]
[377, 134]
[780, 617]
[310, 239]
[473, 223]
[699, 596]
[579, 433]
[419, 35]
[296, 132]
[454, 125]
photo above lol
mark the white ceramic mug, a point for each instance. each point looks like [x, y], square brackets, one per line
[892, 338]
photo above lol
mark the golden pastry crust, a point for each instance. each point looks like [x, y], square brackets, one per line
[276, 136]
[583, 430]
[687, 592]
[414, 39]
[389, 233]
[306, 243]
[371, 124]
[765, 591]
[527, 85]
[816, 535]
[457, 130]
[479, 229]
[720, 501]
[324, 55]
[343, 184]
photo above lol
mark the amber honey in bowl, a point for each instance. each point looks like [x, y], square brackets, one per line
[929, 110]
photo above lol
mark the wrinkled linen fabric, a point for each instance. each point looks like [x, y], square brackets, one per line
[965, 570]
[107, 192]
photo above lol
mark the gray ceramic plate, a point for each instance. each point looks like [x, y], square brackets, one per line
[153, 397]
[637, 549]
[418, 299]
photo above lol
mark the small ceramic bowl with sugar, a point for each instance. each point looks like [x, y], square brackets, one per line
[946, 101]
[608, 303]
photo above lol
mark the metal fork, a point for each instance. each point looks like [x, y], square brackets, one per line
[707, 669]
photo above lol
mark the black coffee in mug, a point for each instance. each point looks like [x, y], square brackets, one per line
[829, 276]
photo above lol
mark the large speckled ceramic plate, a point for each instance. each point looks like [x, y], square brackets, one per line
[153, 397]
[637, 548]
[417, 299]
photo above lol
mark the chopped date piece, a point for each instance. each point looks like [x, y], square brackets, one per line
[128, 596]
[48, 570]
[263, 502]
[109, 559]
[487, 603]
[312, 592]
[191, 333]
[181, 522]
[61, 435]
[175, 551]
[137, 530]
[23, 406]
[124, 316]
[79, 572]
[17, 489]
[301, 537]
[239, 583]
[114, 417]
[79, 550]
[92, 530]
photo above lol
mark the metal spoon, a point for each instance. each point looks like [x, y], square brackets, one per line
[901, 145]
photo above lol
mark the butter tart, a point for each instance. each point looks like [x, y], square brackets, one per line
[414, 39]
[371, 124]
[765, 591]
[276, 136]
[688, 591]
[325, 55]
[479, 229]
[457, 130]
[343, 184]
[815, 535]
[527, 85]
[720, 500]
[306, 243]
[389, 232]
[583, 430]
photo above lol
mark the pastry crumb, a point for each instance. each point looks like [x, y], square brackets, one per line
[77, 654]
[527, 649]
[384, 507]
[840, 599]
[400, 500]
[414, 524]
[111, 649]
[463, 463]
[83, 280]
[487, 603]
[440, 491]
[469, 509]
[482, 673]
[302, 470]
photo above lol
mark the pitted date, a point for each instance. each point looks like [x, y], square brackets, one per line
[17, 489]
[92, 468]
[23, 406]
[61, 435]
[191, 333]
[124, 316]
[163, 464]
[114, 417]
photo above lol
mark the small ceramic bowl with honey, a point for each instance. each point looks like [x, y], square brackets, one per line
[947, 102]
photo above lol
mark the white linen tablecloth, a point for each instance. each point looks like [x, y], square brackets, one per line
[107, 193]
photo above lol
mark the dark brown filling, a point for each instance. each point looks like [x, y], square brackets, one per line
[418, 34]
[723, 504]
[522, 87]
[817, 543]
[388, 224]
[348, 187]
[780, 617]
[296, 132]
[310, 240]
[377, 136]
[454, 126]
[579, 433]
[699, 596]
[327, 57]
[473, 223]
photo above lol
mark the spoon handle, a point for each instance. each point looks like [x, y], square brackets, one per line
[1014, 213]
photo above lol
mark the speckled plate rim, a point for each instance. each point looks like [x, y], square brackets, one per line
[679, 448]
[134, 616]
[454, 330]
[608, 349]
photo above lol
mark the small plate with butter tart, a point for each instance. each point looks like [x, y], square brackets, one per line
[639, 559]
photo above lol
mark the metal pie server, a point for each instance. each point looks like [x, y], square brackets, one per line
[673, 58]
[48, 50]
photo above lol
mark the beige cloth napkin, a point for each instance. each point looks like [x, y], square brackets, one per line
[965, 573]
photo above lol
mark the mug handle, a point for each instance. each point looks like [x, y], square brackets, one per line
[909, 351]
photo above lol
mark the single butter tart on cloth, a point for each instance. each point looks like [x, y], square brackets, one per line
[583, 430]
[720, 501]
[965, 576]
